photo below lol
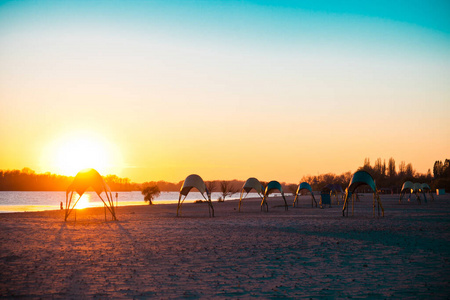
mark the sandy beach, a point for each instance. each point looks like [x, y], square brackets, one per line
[304, 252]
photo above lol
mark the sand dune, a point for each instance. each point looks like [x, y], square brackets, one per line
[306, 251]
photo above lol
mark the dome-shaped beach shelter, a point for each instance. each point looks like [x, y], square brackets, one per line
[195, 181]
[304, 186]
[273, 186]
[83, 180]
[251, 184]
[407, 187]
[335, 189]
[362, 178]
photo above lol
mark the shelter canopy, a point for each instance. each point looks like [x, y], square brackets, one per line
[408, 185]
[273, 185]
[361, 178]
[193, 181]
[83, 180]
[425, 186]
[253, 183]
[88, 178]
[304, 186]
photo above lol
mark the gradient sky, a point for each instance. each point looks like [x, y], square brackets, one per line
[224, 89]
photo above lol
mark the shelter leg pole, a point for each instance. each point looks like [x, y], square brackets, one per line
[67, 212]
[353, 204]
[378, 205]
[373, 205]
[285, 203]
[348, 204]
[240, 200]
[111, 204]
[110, 210]
[264, 204]
[381, 205]
[74, 207]
[178, 206]
[239, 207]
[345, 203]
[212, 208]
[113, 208]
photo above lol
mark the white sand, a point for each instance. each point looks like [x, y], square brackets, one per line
[306, 251]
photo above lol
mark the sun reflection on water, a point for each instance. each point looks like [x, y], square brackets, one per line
[84, 201]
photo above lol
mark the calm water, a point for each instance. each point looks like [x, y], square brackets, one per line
[37, 201]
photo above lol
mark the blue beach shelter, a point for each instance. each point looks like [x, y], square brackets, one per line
[361, 178]
[304, 186]
[270, 188]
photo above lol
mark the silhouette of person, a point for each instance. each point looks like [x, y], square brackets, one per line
[61, 205]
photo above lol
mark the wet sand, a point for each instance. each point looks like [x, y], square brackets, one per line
[304, 252]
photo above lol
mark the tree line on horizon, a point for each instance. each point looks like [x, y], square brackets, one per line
[386, 175]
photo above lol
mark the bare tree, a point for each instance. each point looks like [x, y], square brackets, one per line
[402, 168]
[211, 186]
[227, 190]
[378, 166]
[292, 188]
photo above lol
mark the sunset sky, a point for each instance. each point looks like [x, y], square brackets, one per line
[157, 90]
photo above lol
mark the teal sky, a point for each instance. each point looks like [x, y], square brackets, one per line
[371, 78]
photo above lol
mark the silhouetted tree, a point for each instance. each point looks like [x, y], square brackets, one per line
[378, 166]
[391, 168]
[409, 171]
[446, 169]
[150, 193]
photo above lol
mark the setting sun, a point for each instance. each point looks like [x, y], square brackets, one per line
[81, 154]
[80, 151]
